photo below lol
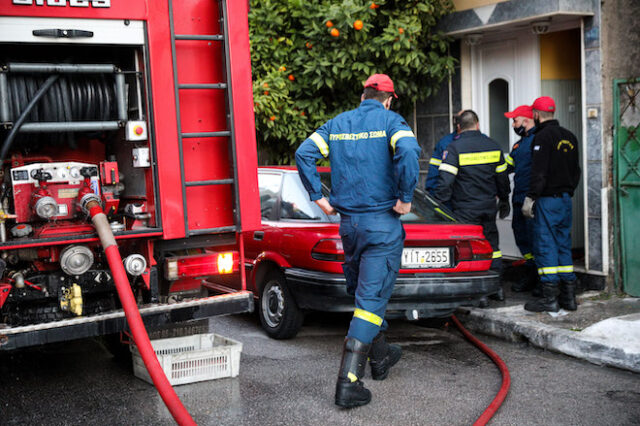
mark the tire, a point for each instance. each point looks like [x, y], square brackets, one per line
[279, 314]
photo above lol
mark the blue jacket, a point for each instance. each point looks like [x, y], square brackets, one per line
[436, 160]
[519, 162]
[373, 155]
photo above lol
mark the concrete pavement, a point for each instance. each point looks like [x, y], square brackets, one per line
[605, 329]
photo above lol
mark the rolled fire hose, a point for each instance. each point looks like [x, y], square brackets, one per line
[138, 330]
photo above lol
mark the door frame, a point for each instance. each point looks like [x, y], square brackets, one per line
[524, 51]
[619, 271]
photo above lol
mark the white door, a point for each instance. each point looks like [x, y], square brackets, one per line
[505, 74]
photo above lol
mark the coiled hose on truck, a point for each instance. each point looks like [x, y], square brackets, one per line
[66, 98]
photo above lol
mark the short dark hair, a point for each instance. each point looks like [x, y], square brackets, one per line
[545, 115]
[467, 120]
[378, 95]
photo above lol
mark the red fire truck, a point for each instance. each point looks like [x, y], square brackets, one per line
[146, 108]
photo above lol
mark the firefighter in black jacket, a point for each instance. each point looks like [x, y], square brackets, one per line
[555, 173]
[472, 174]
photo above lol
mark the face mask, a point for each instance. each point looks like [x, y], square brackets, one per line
[520, 131]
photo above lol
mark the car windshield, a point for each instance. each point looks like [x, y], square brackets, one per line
[424, 209]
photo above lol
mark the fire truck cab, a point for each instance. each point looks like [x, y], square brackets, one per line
[146, 106]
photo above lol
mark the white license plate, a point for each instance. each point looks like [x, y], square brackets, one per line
[432, 257]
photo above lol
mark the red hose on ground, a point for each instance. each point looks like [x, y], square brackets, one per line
[139, 332]
[506, 377]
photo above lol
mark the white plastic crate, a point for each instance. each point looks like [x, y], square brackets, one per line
[192, 358]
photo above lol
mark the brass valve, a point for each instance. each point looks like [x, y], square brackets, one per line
[71, 300]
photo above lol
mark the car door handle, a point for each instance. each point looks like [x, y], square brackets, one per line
[258, 235]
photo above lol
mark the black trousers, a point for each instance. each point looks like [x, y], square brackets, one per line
[488, 222]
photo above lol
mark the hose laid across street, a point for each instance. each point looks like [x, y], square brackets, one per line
[506, 377]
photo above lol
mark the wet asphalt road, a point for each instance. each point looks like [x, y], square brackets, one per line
[441, 380]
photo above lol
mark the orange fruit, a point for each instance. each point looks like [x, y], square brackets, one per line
[282, 68]
[401, 30]
[308, 45]
[291, 77]
[266, 93]
[265, 85]
[302, 113]
[335, 32]
[374, 6]
[329, 24]
[357, 25]
[272, 118]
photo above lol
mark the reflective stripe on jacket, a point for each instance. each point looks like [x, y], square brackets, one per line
[436, 160]
[472, 174]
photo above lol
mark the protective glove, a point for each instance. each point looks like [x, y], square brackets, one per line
[527, 207]
[503, 209]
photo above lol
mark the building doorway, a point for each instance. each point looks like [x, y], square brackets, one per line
[509, 69]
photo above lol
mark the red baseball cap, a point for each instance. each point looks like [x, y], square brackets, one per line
[544, 103]
[381, 82]
[522, 111]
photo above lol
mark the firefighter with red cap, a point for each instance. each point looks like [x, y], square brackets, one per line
[374, 170]
[555, 173]
[519, 163]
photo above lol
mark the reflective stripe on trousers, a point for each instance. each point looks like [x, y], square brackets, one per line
[552, 243]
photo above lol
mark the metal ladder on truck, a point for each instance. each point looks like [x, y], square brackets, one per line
[222, 38]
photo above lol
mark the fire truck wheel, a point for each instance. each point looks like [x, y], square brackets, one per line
[279, 314]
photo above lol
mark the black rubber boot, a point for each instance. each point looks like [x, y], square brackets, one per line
[567, 298]
[548, 302]
[527, 281]
[350, 391]
[537, 289]
[382, 357]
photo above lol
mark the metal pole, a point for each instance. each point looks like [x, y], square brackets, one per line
[61, 68]
[121, 97]
[4, 99]
[77, 126]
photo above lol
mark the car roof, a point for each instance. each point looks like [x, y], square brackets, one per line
[289, 168]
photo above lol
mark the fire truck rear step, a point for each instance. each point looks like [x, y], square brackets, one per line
[154, 316]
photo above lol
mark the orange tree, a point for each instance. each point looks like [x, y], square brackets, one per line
[310, 58]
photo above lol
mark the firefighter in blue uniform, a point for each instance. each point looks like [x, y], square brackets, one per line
[435, 161]
[555, 173]
[472, 174]
[519, 163]
[374, 171]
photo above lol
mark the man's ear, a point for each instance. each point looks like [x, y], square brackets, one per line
[362, 97]
[387, 103]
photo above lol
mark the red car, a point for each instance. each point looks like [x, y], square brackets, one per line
[294, 263]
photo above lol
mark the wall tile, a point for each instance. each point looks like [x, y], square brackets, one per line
[593, 76]
[595, 244]
[594, 137]
[593, 177]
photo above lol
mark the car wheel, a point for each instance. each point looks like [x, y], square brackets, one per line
[279, 314]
